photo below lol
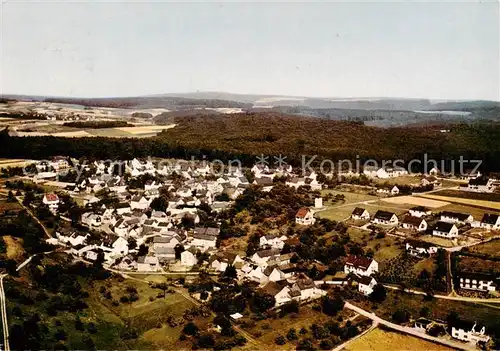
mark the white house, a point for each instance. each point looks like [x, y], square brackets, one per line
[362, 266]
[420, 211]
[120, 246]
[203, 241]
[468, 332]
[480, 185]
[148, 264]
[394, 190]
[275, 241]
[360, 213]
[51, 200]
[445, 230]
[91, 219]
[477, 281]
[420, 248]
[385, 218]
[414, 223]
[456, 217]
[490, 221]
[139, 202]
[365, 284]
[304, 216]
[261, 257]
[188, 257]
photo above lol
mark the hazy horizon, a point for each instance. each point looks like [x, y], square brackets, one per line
[437, 51]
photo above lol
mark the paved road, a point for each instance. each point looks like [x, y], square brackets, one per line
[408, 330]
[447, 297]
[34, 217]
[3, 308]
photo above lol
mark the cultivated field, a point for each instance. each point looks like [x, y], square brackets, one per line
[382, 340]
[403, 180]
[470, 195]
[343, 212]
[139, 131]
[416, 201]
[15, 249]
[465, 201]
[4, 163]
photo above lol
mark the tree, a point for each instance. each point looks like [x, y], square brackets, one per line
[230, 272]
[401, 316]
[178, 250]
[280, 340]
[162, 286]
[143, 250]
[292, 334]
[190, 329]
[11, 197]
[326, 344]
[306, 345]
[332, 305]
[132, 243]
[378, 294]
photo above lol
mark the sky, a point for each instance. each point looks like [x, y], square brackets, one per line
[445, 50]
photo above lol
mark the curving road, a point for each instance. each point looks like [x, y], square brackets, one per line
[408, 330]
[3, 308]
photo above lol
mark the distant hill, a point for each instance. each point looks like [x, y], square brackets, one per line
[382, 112]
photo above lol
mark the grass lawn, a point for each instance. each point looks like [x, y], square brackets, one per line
[266, 331]
[470, 195]
[385, 248]
[491, 248]
[381, 340]
[15, 248]
[343, 212]
[403, 180]
[350, 197]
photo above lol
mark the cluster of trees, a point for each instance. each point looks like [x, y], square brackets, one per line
[98, 124]
[246, 135]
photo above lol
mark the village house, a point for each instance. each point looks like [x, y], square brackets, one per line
[304, 216]
[160, 242]
[221, 261]
[422, 324]
[456, 217]
[275, 241]
[188, 257]
[469, 332]
[479, 185]
[265, 182]
[360, 213]
[490, 221]
[148, 264]
[365, 284]
[51, 200]
[420, 211]
[385, 218]
[261, 257]
[446, 230]
[384, 173]
[91, 219]
[414, 223]
[478, 281]
[203, 241]
[296, 182]
[420, 248]
[139, 202]
[430, 180]
[362, 266]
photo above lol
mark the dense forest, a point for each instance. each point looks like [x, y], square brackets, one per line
[98, 124]
[245, 136]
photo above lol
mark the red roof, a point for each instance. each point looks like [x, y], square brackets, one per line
[358, 262]
[51, 197]
[302, 212]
